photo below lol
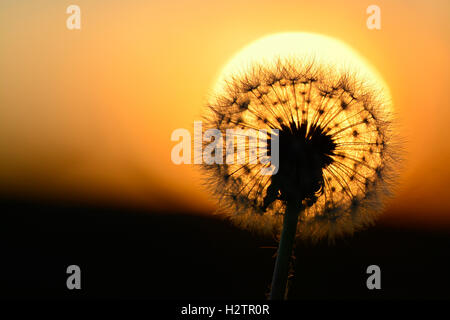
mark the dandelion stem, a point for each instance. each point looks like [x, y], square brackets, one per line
[281, 271]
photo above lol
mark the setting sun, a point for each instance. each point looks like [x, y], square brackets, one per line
[312, 46]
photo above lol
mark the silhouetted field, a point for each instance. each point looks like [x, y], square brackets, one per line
[130, 253]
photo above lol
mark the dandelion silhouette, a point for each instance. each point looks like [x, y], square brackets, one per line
[335, 158]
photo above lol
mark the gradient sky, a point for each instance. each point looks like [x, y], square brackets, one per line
[88, 114]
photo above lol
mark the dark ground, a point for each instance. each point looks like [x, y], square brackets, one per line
[125, 253]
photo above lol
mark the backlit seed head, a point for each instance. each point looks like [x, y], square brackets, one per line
[335, 149]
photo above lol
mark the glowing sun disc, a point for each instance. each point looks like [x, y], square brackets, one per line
[320, 48]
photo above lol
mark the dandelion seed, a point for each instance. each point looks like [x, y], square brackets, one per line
[335, 154]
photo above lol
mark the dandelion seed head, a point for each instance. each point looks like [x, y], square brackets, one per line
[335, 148]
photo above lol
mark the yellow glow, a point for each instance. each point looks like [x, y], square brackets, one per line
[321, 48]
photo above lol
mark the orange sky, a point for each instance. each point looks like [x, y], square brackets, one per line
[89, 113]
